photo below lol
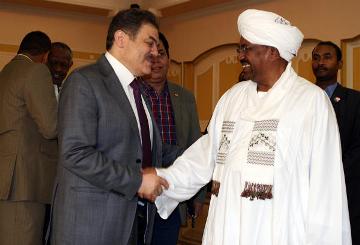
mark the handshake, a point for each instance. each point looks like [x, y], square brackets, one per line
[152, 185]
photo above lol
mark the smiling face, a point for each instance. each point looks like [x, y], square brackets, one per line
[253, 59]
[325, 64]
[59, 62]
[160, 66]
[139, 50]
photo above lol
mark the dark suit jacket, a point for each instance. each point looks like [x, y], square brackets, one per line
[185, 113]
[346, 103]
[28, 120]
[100, 160]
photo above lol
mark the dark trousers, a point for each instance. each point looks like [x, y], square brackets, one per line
[46, 222]
[166, 231]
[142, 220]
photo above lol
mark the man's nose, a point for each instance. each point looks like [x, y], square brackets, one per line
[241, 55]
[57, 67]
[154, 51]
[321, 61]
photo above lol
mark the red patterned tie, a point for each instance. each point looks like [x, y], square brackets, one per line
[144, 125]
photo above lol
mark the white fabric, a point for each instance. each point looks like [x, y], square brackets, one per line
[309, 205]
[126, 77]
[267, 28]
[57, 94]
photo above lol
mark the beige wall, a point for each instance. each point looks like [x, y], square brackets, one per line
[83, 33]
[189, 36]
[205, 65]
[322, 19]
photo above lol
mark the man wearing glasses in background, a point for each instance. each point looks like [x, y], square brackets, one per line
[174, 109]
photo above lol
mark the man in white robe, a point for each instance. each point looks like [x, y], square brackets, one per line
[274, 147]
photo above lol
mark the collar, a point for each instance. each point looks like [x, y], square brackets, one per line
[330, 89]
[260, 108]
[25, 56]
[124, 75]
[148, 90]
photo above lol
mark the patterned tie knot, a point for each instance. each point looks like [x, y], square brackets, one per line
[135, 84]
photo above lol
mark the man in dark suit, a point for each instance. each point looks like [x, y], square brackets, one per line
[59, 63]
[106, 136]
[326, 61]
[174, 109]
[28, 146]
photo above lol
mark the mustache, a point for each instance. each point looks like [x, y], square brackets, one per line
[244, 62]
[321, 68]
[149, 57]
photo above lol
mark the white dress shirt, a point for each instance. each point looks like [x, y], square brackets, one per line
[126, 77]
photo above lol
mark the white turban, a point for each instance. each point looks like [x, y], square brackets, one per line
[267, 28]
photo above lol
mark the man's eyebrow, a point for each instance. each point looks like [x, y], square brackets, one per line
[318, 53]
[154, 39]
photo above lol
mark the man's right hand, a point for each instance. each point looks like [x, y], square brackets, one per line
[215, 186]
[151, 185]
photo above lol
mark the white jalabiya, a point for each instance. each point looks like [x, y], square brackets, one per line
[309, 205]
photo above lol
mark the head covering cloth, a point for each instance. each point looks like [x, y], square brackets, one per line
[270, 29]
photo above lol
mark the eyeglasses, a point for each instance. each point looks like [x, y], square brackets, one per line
[246, 48]
[161, 53]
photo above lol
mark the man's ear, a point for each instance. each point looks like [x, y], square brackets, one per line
[120, 38]
[44, 58]
[340, 64]
[71, 64]
[274, 53]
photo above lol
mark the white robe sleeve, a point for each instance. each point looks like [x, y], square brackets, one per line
[192, 170]
[327, 217]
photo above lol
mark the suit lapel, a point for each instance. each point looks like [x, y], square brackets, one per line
[337, 96]
[338, 99]
[116, 90]
[22, 57]
[175, 97]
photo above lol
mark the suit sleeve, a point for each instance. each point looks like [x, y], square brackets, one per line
[41, 101]
[78, 127]
[351, 156]
[170, 153]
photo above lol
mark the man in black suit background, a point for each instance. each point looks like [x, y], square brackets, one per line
[326, 61]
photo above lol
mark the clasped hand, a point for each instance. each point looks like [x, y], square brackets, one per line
[152, 185]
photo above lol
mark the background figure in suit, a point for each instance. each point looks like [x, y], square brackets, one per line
[326, 61]
[103, 143]
[28, 146]
[59, 63]
[174, 109]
